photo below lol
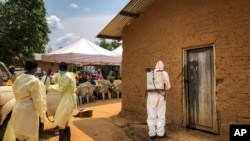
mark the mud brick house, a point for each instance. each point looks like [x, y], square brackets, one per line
[205, 46]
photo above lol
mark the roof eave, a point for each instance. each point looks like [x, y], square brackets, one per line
[109, 37]
[132, 10]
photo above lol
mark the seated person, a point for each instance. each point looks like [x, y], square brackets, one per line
[92, 81]
[9, 81]
[111, 77]
[99, 75]
[85, 77]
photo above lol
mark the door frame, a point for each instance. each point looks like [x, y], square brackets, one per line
[185, 96]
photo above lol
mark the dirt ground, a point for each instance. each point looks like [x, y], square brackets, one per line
[106, 125]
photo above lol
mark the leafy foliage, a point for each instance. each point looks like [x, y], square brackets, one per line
[109, 45]
[23, 29]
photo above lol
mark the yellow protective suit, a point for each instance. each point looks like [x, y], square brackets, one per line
[9, 82]
[30, 103]
[66, 86]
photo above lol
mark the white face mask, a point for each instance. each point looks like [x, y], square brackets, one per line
[5, 77]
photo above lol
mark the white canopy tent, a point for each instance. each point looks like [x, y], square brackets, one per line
[118, 50]
[83, 52]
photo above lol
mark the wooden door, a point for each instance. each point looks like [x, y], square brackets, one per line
[199, 90]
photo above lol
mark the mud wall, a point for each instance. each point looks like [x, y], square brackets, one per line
[164, 30]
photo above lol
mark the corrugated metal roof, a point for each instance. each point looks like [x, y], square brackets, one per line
[132, 10]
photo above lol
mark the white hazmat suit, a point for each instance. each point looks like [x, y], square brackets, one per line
[156, 106]
[30, 95]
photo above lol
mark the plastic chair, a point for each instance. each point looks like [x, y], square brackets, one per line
[90, 95]
[105, 90]
[117, 87]
[104, 87]
[118, 90]
[82, 93]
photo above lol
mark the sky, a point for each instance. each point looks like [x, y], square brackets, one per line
[69, 20]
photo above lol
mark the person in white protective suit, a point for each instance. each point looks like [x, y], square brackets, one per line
[156, 107]
[30, 95]
[66, 86]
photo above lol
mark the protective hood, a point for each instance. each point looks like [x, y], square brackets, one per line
[159, 65]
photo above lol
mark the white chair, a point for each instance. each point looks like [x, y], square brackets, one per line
[82, 92]
[117, 87]
[85, 84]
[104, 87]
[90, 95]
[119, 90]
[104, 90]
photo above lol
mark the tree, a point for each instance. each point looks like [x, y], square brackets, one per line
[23, 29]
[109, 45]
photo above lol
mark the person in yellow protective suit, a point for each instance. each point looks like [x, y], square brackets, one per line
[156, 106]
[30, 95]
[12, 71]
[66, 86]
